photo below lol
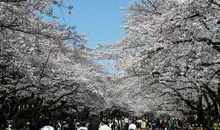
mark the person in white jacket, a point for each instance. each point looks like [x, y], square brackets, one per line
[105, 126]
[132, 126]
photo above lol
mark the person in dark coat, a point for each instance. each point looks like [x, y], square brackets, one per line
[93, 125]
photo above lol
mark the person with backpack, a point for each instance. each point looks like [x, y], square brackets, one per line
[154, 125]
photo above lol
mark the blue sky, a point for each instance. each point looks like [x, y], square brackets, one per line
[100, 19]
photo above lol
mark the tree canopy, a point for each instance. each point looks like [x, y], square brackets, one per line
[168, 60]
[171, 48]
[45, 62]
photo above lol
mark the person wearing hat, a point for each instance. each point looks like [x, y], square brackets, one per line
[132, 126]
[48, 126]
[9, 127]
[27, 127]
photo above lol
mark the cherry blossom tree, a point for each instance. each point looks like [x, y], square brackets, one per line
[172, 47]
[44, 61]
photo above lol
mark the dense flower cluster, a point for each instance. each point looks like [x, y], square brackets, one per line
[172, 48]
[44, 60]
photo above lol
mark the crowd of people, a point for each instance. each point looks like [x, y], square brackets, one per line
[118, 124]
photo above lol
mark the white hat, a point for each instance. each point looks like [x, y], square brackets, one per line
[132, 127]
[47, 128]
